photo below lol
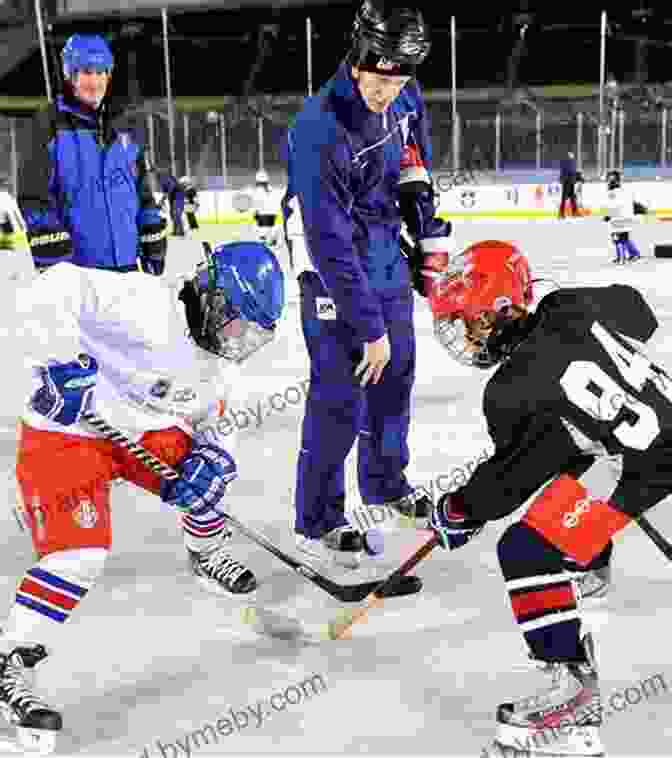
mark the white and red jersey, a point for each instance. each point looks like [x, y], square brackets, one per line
[151, 375]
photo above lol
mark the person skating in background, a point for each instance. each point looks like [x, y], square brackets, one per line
[87, 194]
[568, 179]
[620, 210]
[174, 197]
[265, 207]
[359, 158]
[190, 201]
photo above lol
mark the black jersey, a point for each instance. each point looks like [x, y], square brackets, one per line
[578, 386]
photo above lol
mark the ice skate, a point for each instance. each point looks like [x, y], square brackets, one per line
[343, 546]
[414, 507]
[593, 585]
[564, 720]
[36, 723]
[221, 574]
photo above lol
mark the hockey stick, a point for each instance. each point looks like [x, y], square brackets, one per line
[655, 536]
[347, 593]
[340, 628]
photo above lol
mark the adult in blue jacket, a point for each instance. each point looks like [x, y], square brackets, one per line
[358, 161]
[96, 208]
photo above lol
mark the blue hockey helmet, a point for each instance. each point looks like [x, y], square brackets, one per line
[86, 51]
[235, 299]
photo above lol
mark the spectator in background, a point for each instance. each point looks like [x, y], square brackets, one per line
[95, 206]
[568, 179]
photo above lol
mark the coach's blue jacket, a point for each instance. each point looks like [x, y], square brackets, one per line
[344, 166]
[97, 186]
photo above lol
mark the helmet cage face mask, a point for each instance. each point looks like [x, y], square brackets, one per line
[484, 302]
[224, 330]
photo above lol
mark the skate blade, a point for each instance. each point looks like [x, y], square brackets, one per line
[551, 742]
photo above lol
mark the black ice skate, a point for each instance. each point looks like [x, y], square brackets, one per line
[416, 506]
[36, 723]
[562, 721]
[343, 546]
[221, 574]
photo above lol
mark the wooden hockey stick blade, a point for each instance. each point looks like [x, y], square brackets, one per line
[340, 627]
[347, 593]
[655, 536]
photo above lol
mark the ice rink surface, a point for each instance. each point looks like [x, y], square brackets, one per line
[151, 665]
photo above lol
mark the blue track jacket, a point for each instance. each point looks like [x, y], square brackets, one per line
[98, 186]
[344, 166]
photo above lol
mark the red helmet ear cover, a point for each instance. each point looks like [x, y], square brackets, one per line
[495, 274]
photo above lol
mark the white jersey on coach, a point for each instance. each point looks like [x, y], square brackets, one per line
[151, 375]
[620, 208]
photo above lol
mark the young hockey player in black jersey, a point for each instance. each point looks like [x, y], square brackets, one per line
[576, 407]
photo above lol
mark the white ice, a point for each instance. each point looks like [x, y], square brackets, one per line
[149, 659]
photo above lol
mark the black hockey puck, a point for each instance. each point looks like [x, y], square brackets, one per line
[662, 251]
[405, 585]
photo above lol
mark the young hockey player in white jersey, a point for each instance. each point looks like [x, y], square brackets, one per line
[265, 207]
[621, 208]
[160, 363]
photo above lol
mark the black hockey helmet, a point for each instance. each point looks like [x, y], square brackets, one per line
[388, 39]
[613, 179]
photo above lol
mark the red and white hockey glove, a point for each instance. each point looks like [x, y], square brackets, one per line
[452, 526]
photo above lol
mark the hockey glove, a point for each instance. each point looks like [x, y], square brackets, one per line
[67, 390]
[204, 475]
[154, 245]
[451, 525]
[49, 241]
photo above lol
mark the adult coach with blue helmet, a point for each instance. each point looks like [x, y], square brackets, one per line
[97, 208]
[358, 161]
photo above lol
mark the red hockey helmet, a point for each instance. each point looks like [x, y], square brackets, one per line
[487, 287]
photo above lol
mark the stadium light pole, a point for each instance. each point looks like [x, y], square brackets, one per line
[309, 54]
[601, 129]
[43, 49]
[169, 93]
[453, 65]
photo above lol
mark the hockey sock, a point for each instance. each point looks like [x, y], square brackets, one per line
[541, 593]
[50, 591]
[202, 533]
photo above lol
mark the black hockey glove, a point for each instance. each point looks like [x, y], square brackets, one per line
[153, 247]
[49, 241]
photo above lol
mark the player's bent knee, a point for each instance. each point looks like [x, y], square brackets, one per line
[568, 517]
[523, 552]
[79, 567]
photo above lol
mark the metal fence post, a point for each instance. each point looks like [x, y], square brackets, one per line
[14, 157]
[222, 148]
[498, 142]
[187, 157]
[579, 141]
[663, 138]
[151, 139]
[539, 140]
[621, 137]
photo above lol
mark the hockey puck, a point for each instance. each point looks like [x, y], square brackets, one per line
[662, 251]
[405, 585]
[374, 542]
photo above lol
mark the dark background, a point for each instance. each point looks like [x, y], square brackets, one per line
[262, 48]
